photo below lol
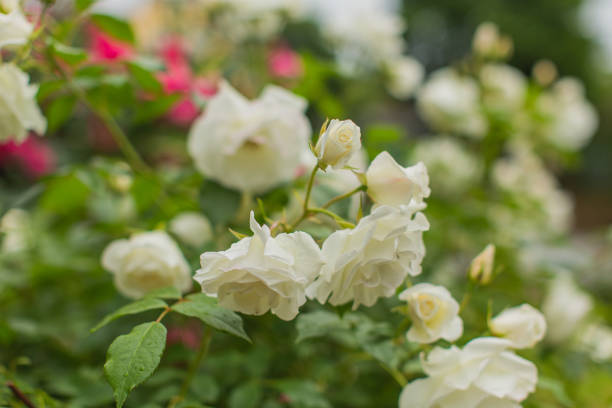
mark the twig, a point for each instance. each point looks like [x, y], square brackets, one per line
[19, 394]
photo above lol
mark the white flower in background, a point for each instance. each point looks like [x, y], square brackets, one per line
[565, 307]
[262, 273]
[434, 313]
[146, 261]
[504, 87]
[451, 167]
[524, 175]
[373, 259]
[489, 43]
[391, 184]
[481, 267]
[19, 112]
[15, 230]
[451, 102]
[405, 75]
[250, 145]
[14, 27]
[572, 120]
[523, 325]
[338, 143]
[365, 33]
[596, 339]
[192, 228]
[484, 374]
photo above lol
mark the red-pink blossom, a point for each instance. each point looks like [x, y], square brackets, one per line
[33, 155]
[285, 63]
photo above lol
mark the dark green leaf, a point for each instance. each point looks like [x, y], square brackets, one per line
[302, 394]
[65, 194]
[59, 111]
[247, 395]
[170, 292]
[141, 305]
[133, 357]
[144, 75]
[319, 324]
[117, 28]
[207, 309]
[219, 203]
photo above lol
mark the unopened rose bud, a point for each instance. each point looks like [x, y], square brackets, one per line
[338, 142]
[485, 39]
[481, 268]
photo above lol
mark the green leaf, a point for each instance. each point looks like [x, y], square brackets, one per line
[133, 357]
[556, 388]
[247, 395]
[59, 111]
[70, 55]
[82, 5]
[318, 324]
[65, 194]
[302, 394]
[170, 292]
[139, 306]
[218, 203]
[117, 28]
[143, 70]
[207, 309]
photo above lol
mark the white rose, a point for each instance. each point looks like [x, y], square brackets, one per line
[146, 261]
[452, 168]
[18, 108]
[484, 374]
[391, 184]
[339, 142]
[250, 145]
[565, 307]
[481, 267]
[16, 229]
[14, 27]
[262, 273]
[373, 259]
[434, 314]
[596, 340]
[192, 228]
[572, 120]
[451, 102]
[524, 325]
[504, 87]
[405, 75]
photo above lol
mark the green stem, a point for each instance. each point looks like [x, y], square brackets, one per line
[343, 196]
[306, 210]
[195, 365]
[341, 221]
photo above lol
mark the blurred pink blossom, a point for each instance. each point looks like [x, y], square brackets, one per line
[188, 335]
[104, 48]
[35, 157]
[285, 63]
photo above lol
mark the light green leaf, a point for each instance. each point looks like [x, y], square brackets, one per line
[208, 310]
[139, 306]
[117, 28]
[318, 324]
[68, 54]
[144, 74]
[59, 111]
[133, 357]
[170, 292]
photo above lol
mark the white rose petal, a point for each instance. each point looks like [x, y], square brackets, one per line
[434, 313]
[373, 259]
[16, 230]
[405, 75]
[250, 145]
[504, 87]
[192, 228]
[146, 261]
[262, 273]
[523, 325]
[483, 374]
[391, 184]
[339, 142]
[14, 27]
[19, 112]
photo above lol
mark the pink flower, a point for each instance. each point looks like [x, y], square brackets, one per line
[179, 78]
[34, 156]
[104, 48]
[189, 336]
[285, 63]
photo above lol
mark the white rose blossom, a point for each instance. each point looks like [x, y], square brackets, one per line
[405, 75]
[19, 112]
[504, 87]
[146, 261]
[15, 230]
[434, 314]
[338, 143]
[14, 27]
[523, 325]
[484, 374]
[451, 102]
[261, 272]
[373, 259]
[250, 145]
[391, 184]
[192, 228]
[565, 307]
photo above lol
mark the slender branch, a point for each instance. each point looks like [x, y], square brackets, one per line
[19, 394]
[343, 196]
[341, 221]
[163, 314]
[195, 365]
[309, 188]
